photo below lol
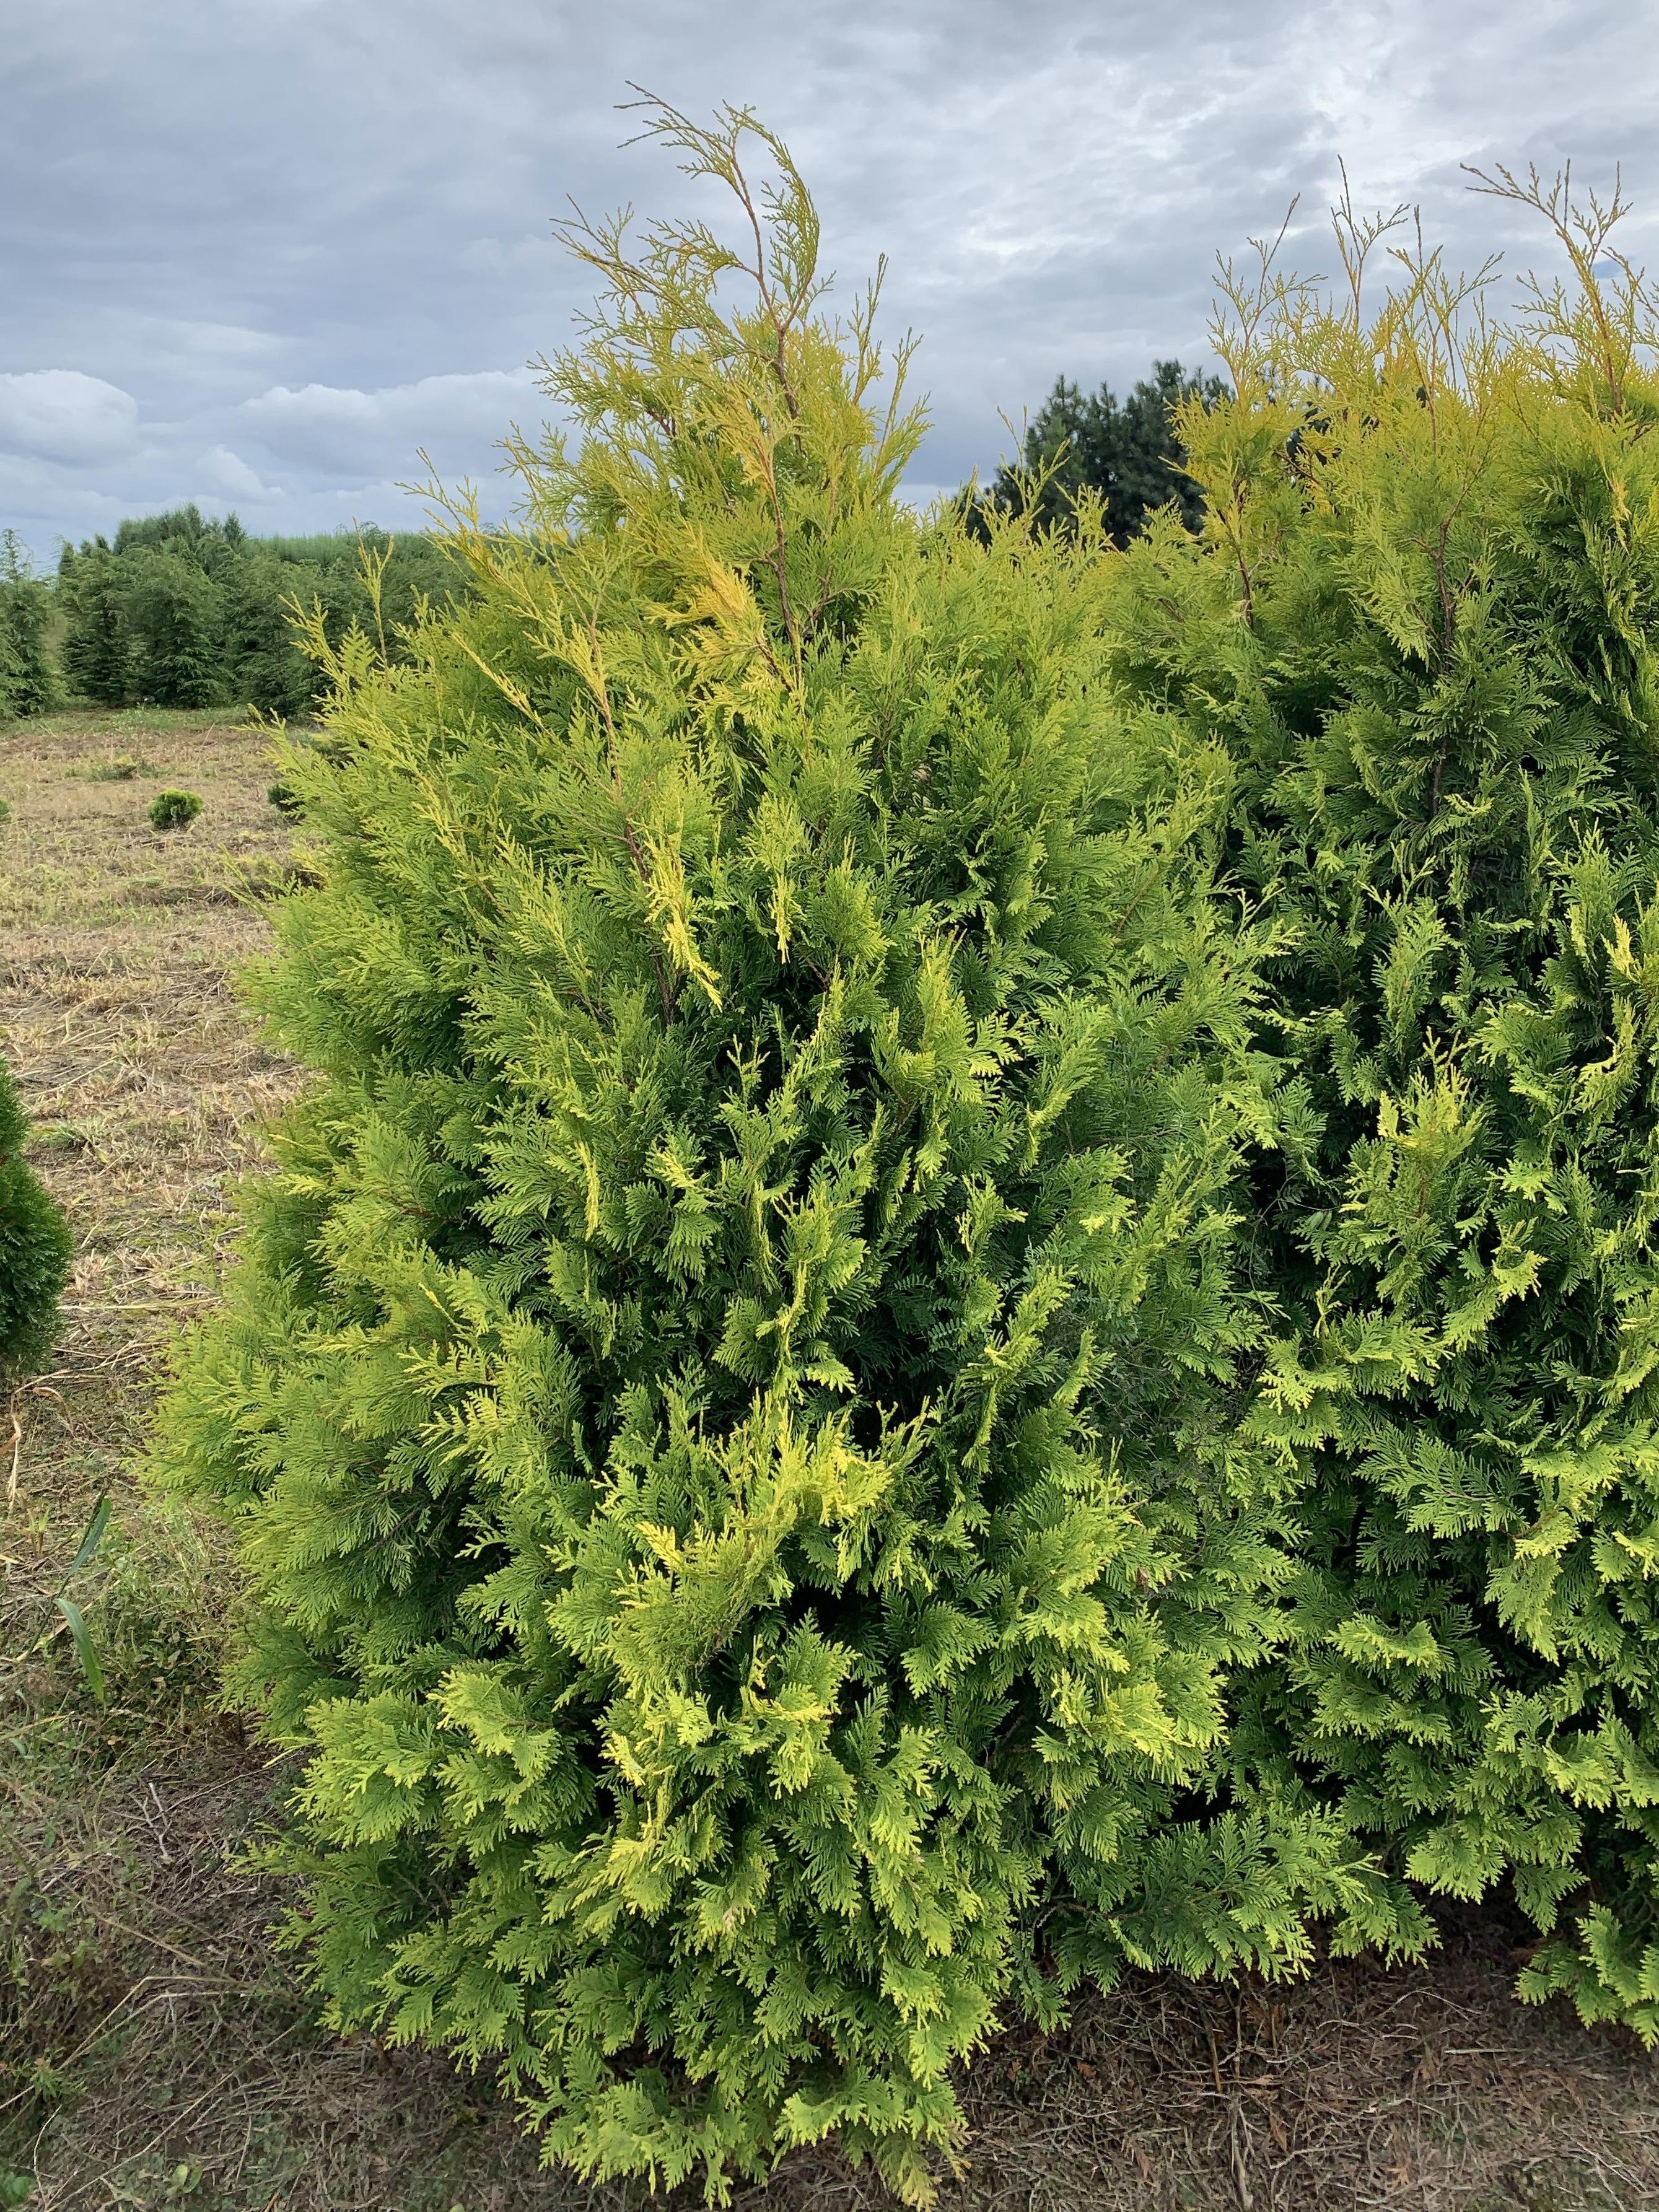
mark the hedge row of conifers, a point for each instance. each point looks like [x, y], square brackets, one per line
[180, 610]
[970, 1293]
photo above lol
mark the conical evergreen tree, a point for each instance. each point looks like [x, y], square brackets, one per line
[1089, 448]
[34, 1250]
[264, 664]
[732, 1396]
[28, 681]
[98, 646]
[176, 614]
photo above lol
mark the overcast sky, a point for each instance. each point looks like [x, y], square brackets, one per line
[255, 252]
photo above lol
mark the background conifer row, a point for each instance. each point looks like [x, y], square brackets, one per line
[181, 611]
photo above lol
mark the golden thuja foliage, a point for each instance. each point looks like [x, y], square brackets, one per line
[1423, 614]
[729, 1398]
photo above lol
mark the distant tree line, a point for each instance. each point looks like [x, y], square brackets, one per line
[183, 611]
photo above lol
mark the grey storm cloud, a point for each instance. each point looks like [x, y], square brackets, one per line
[263, 253]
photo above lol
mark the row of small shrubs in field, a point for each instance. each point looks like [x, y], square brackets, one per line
[970, 1294]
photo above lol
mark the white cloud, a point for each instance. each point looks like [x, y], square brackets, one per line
[358, 434]
[61, 414]
[230, 473]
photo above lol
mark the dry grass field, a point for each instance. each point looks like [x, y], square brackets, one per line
[156, 2050]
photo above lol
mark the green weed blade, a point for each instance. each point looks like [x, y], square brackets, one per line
[91, 1666]
[93, 1534]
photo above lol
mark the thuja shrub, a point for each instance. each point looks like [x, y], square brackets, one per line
[731, 1395]
[173, 809]
[1423, 618]
[34, 1250]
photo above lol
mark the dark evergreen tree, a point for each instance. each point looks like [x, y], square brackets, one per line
[28, 679]
[1127, 458]
[265, 664]
[30, 682]
[98, 658]
[34, 1250]
[176, 616]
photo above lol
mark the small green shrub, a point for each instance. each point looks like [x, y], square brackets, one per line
[173, 809]
[284, 798]
[68, 1136]
[148, 1600]
[34, 1250]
